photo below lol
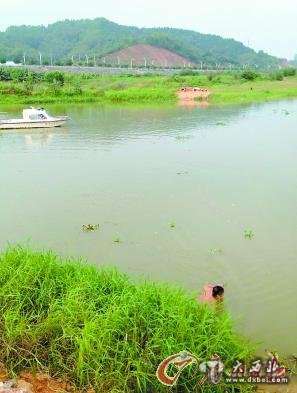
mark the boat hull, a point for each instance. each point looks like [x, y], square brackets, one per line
[31, 124]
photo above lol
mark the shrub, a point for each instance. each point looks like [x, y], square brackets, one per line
[29, 84]
[249, 75]
[276, 76]
[4, 75]
[55, 88]
[289, 71]
[188, 72]
[36, 76]
[14, 89]
[19, 75]
[55, 77]
[73, 91]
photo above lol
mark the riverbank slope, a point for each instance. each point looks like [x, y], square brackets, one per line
[97, 328]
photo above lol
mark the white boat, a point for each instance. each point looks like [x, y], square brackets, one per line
[33, 118]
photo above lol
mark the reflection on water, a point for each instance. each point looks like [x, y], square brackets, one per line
[178, 186]
[38, 140]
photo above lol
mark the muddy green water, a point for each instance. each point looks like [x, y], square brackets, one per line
[210, 172]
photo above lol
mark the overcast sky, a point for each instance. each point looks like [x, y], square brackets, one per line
[262, 24]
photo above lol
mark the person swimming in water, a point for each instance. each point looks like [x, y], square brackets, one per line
[212, 294]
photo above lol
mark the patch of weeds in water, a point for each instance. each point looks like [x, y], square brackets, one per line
[286, 112]
[90, 227]
[216, 251]
[248, 234]
[183, 137]
[117, 240]
[221, 123]
[172, 225]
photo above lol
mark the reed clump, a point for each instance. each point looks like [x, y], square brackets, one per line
[96, 327]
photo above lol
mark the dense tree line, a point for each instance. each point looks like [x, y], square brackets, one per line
[87, 41]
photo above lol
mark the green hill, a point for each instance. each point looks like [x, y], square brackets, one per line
[99, 37]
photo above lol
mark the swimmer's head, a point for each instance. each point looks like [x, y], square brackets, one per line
[218, 292]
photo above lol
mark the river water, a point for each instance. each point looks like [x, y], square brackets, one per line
[176, 187]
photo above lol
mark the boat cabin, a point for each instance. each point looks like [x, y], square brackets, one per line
[35, 114]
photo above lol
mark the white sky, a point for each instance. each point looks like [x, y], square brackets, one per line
[262, 24]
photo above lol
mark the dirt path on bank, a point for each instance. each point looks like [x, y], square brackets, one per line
[192, 95]
[38, 383]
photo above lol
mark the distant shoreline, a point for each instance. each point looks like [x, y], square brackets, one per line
[24, 86]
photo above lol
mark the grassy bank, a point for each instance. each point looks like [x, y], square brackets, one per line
[256, 91]
[95, 327]
[226, 88]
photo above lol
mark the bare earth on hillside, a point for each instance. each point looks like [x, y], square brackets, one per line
[141, 54]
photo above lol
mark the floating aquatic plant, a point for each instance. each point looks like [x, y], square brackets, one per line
[172, 225]
[182, 137]
[215, 251]
[221, 123]
[248, 234]
[90, 227]
[182, 173]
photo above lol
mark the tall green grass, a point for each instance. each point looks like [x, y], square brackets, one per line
[95, 327]
[226, 88]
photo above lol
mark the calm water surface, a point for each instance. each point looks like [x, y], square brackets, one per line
[210, 172]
